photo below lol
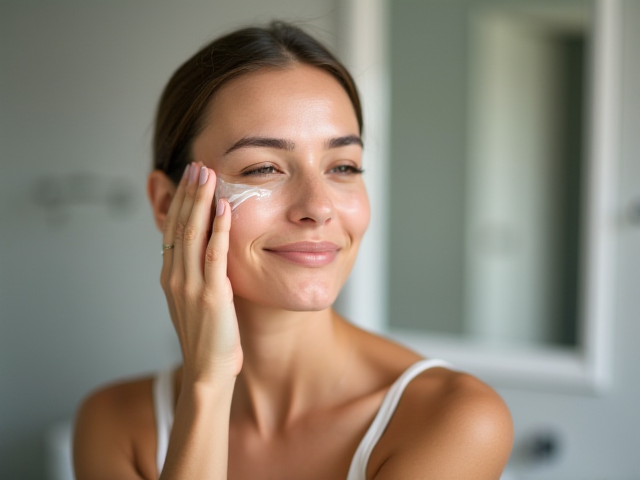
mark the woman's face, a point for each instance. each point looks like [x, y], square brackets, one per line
[294, 132]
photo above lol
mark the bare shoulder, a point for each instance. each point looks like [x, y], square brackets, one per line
[447, 425]
[114, 433]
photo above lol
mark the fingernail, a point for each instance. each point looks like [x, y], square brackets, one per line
[204, 174]
[193, 174]
[185, 174]
[220, 208]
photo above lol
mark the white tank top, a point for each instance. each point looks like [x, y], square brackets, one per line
[163, 408]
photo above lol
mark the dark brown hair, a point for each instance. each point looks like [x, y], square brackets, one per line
[180, 115]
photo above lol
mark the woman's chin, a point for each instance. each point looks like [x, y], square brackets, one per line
[303, 303]
[294, 300]
[309, 306]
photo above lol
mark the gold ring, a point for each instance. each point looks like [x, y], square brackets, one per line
[167, 247]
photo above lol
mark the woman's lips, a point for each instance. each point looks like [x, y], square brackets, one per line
[309, 254]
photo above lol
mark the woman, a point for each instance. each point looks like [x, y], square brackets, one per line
[258, 192]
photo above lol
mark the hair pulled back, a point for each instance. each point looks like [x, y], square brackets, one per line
[182, 107]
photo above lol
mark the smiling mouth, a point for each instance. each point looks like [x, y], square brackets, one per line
[308, 254]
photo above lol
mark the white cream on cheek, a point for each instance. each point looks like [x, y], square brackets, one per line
[237, 193]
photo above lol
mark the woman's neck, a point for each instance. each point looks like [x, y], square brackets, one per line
[292, 363]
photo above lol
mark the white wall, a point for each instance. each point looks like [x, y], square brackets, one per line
[80, 302]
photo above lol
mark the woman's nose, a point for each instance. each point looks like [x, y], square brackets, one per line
[312, 204]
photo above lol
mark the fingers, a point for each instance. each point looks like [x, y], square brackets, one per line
[215, 259]
[184, 235]
[195, 257]
[169, 226]
[172, 215]
[196, 233]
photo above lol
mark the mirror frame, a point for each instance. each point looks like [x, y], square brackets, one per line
[583, 369]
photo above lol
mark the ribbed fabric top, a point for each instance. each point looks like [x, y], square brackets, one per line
[163, 408]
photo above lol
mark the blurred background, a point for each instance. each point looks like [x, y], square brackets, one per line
[485, 228]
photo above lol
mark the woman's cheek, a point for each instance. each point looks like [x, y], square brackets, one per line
[249, 222]
[355, 212]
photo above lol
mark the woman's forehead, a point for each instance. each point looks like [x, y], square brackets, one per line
[302, 105]
[300, 97]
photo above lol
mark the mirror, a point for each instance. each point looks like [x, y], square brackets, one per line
[486, 164]
[491, 176]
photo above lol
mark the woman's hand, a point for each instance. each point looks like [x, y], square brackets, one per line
[194, 279]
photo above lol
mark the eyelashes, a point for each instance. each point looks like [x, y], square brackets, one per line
[260, 171]
[348, 170]
[266, 170]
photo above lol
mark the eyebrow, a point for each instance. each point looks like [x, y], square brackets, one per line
[246, 142]
[344, 141]
[288, 145]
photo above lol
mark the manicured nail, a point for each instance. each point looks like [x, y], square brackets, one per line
[193, 174]
[204, 174]
[220, 208]
[185, 174]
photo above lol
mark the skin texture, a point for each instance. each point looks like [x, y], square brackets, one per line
[275, 384]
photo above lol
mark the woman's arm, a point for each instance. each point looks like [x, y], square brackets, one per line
[200, 302]
[200, 299]
[198, 447]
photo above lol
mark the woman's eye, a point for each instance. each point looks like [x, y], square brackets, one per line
[264, 170]
[347, 170]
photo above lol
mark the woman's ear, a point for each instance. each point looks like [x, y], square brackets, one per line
[160, 190]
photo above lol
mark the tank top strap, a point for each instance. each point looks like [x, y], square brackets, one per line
[357, 470]
[163, 409]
